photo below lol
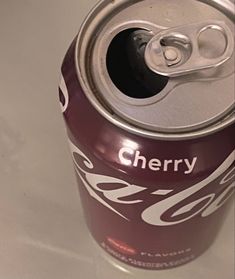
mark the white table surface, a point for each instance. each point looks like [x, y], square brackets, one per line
[42, 231]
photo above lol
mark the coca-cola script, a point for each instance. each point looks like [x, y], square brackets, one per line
[153, 214]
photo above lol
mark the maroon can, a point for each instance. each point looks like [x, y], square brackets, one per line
[147, 94]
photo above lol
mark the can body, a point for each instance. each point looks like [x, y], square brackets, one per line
[150, 203]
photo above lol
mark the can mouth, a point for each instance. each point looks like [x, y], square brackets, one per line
[127, 68]
[118, 81]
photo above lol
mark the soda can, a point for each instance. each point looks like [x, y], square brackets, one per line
[147, 94]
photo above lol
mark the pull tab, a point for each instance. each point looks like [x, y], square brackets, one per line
[176, 51]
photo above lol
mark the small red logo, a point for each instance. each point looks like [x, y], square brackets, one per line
[121, 246]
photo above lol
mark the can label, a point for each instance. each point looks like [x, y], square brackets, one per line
[153, 204]
[64, 95]
[136, 160]
[154, 214]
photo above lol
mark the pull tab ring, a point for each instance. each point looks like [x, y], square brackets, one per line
[175, 52]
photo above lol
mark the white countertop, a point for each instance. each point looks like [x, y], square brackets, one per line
[42, 231]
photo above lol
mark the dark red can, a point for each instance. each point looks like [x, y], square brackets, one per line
[147, 94]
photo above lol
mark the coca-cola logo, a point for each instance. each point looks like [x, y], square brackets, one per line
[64, 95]
[154, 214]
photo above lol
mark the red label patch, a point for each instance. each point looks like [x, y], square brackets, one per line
[121, 246]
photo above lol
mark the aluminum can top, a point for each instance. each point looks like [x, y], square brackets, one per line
[160, 68]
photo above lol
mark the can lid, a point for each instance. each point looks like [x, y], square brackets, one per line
[160, 69]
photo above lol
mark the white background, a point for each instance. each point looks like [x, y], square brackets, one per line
[42, 232]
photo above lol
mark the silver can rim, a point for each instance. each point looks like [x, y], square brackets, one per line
[225, 6]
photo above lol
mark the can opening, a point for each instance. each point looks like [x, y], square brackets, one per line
[127, 68]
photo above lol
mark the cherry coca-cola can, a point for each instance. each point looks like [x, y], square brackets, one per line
[147, 94]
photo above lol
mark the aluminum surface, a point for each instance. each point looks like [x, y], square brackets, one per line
[188, 106]
[161, 59]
